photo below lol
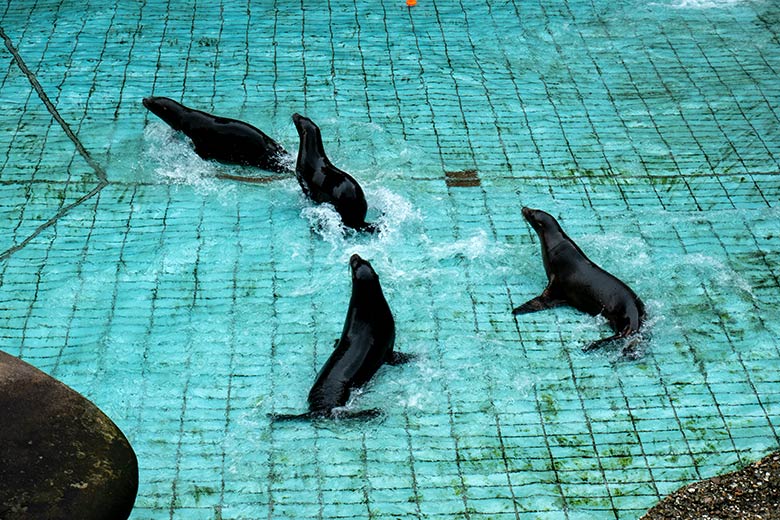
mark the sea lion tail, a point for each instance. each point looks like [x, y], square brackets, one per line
[333, 414]
[601, 342]
[630, 349]
[254, 180]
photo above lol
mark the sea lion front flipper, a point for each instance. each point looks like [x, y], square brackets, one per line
[398, 358]
[539, 303]
[546, 300]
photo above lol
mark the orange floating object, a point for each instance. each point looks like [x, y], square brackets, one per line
[411, 3]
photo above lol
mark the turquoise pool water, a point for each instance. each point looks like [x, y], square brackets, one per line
[189, 308]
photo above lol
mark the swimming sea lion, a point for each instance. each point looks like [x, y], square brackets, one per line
[574, 280]
[366, 343]
[220, 138]
[323, 182]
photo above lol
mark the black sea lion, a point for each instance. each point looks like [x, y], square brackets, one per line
[365, 344]
[574, 280]
[323, 182]
[220, 138]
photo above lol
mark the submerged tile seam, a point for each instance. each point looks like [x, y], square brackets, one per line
[127, 63]
[77, 298]
[581, 99]
[538, 409]
[756, 84]
[246, 54]
[391, 64]
[158, 64]
[173, 506]
[273, 338]
[317, 450]
[333, 74]
[627, 402]
[459, 459]
[233, 334]
[36, 165]
[684, 118]
[484, 82]
[738, 354]
[99, 171]
[470, 178]
[612, 101]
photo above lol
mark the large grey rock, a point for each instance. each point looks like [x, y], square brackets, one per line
[60, 456]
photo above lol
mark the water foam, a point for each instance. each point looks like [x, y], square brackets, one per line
[704, 4]
[719, 273]
[476, 247]
[389, 211]
[175, 162]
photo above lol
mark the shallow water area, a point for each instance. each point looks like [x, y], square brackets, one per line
[190, 308]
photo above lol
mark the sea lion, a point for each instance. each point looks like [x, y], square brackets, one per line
[220, 138]
[323, 182]
[366, 343]
[576, 281]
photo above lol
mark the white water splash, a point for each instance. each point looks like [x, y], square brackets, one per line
[326, 221]
[394, 212]
[175, 162]
[703, 4]
[391, 214]
[718, 272]
[473, 248]
[610, 247]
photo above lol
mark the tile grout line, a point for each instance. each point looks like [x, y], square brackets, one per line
[99, 171]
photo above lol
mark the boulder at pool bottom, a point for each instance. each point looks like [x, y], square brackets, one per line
[60, 456]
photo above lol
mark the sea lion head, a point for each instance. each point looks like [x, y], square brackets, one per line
[362, 270]
[166, 109]
[311, 140]
[542, 222]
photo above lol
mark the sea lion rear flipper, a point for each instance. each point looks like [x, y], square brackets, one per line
[602, 342]
[398, 358]
[359, 414]
[255, 180]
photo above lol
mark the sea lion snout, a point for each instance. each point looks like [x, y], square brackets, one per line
[300, 123]
[164, 108]
[533, 216]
